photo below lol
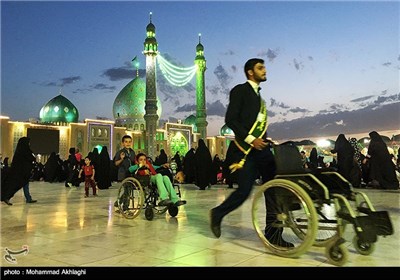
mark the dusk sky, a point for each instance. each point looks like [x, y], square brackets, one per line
[332, 59]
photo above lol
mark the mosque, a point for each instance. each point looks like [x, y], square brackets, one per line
[136, 112]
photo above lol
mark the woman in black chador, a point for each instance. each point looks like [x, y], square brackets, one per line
[203, 163]
[103, 169]
[189, 168]
[381, 168]
[20, 170]
[160, 161]
[346, 164]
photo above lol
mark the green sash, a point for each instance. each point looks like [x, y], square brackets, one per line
[257, 130]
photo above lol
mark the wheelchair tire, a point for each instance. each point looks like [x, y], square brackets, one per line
[291, 201]
[337, 253]
[364, 248]
[130, 198]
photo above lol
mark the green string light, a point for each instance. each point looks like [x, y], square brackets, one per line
[178, 76]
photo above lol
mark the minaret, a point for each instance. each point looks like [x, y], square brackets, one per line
[201, 114]
[151, 117]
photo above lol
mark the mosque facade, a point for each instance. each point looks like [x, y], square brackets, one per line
[136, 112]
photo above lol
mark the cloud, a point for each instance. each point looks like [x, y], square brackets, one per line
[186, 108]
[222, 75]
[298, 110]
[62, 82]
[228, 52]
[298, 65]
[96, 88]
[379, 118]
[274, 103]
[216, 108]
[362, 98]
[69, 80]
[270, 54]
[387, 64]
[122, 73]
[385, 99]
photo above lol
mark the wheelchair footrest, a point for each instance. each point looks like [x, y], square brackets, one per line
[365, 229]
[382, 222]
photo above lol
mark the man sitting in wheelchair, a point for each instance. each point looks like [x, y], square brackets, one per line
[166, 191]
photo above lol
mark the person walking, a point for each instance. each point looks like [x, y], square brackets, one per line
[19, 173]
[247, 117]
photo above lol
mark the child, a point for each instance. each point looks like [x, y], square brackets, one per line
[124, 158]
[165, 189]
[88, 168]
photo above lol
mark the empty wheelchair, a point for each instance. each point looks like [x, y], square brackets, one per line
[313, 208]
[137, 193]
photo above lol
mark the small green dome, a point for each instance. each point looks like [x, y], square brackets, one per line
[151, 27]
[225, 130]
[60, 111]
[191, 120]
[199, 47]
[129, 105]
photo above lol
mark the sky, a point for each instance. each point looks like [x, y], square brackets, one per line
[332, 67]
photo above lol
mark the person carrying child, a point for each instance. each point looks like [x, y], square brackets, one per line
[89, 171]
[165, 189]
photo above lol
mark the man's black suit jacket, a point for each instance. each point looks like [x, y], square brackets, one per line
[243, 108]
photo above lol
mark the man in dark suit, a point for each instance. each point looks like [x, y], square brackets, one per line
[247, 117]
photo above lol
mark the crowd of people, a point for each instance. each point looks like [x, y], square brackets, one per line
[375, 169]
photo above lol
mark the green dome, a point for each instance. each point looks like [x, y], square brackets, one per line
[225, 130]
[129, 105]
[60, 111]
[191, 120]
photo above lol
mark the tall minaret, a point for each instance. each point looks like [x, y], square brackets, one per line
[201, 114]
[151, 117]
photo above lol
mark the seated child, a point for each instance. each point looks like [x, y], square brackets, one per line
[165, 189]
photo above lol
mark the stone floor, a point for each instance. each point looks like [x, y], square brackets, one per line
[64, 229]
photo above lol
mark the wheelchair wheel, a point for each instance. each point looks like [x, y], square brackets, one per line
[130, 198]
[294, 215]
[364, 248]
[173, 210]
[337, 252]
[148, 213]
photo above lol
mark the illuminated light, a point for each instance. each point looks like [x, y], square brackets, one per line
[99, 148]
[323, 143]
[56, 109]
[178, 76]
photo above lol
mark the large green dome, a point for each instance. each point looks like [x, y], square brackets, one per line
[59, 111]
[191, 120]
[129, 106]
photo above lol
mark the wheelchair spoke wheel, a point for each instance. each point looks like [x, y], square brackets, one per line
[291, 216]
[130, 198]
